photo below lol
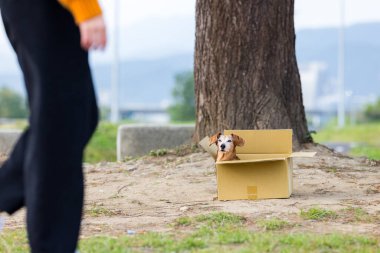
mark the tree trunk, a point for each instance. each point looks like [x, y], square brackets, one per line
[246, 74]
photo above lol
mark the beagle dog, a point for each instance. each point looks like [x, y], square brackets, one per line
[226, 146]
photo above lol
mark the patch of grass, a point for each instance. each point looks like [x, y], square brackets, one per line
[153, 240]
[228, 235]
[183, 221]
[357, 214]
[217, 227]
[243, 241]
[219, 219]
[98, 211]
[367, 135]
[102, 146]
[103, 244]
[189, 243]
[158, 152]
[361, 133]
[131, 158]
[273, 224]
[224, 238]
[326, 243]
[372, 152]
[13, 241]
[330, 169]
[19, 124]
[317, 213]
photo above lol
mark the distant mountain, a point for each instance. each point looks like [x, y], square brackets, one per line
[152, 38]
[170, 43]
[362, 54]
[143, 83]
[149, 82]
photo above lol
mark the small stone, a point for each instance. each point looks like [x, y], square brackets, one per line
[184, 208]
[132, 169]
[131, 232]
[2, 222]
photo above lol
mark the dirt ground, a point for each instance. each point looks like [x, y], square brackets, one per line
[149, 193]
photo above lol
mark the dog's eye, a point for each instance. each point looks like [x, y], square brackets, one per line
[220, 140]
[229, 141]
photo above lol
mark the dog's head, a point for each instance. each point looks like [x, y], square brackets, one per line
[226, 143]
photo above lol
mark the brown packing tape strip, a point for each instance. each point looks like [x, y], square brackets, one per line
[252, 192]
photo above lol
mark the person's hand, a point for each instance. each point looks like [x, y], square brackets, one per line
[93, 33]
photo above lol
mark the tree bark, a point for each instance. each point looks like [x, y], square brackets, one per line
[246, 74]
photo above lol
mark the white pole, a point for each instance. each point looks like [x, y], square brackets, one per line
[341, 93]
[115, 113]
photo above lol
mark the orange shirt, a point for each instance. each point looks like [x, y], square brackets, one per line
[82, 9]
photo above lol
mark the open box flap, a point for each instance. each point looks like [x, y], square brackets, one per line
[303, 154]
[251, 161]
[211, 149]
[278, 141]
[261, 156]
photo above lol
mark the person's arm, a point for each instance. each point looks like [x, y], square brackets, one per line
[89, 18]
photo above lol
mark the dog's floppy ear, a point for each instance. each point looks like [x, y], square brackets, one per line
[214, 138]
[238, 141]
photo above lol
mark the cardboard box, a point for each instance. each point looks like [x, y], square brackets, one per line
[265, 167]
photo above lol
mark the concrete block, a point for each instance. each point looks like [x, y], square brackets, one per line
[137, 140]
[8, 139]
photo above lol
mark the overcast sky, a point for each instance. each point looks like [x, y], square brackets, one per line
[326, 13]
[308, 13]
[147, 41]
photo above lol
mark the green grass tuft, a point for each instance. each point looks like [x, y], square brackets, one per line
[99, 211]
[228, 235]
[103, 244]
[102, 146]
[317, 213]
[225, 238]
[13, 241]
[366, 135]
[153, 240]
[370, 151]
[357, 214]
[273, 224]
[158, 152]
[189, 243]
[330, 169]
[218, 219]
[183, 221]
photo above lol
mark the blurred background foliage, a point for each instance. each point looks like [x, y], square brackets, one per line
[372, 111]
[12, 104]
[183, 108]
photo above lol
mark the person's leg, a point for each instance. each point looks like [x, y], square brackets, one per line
[11, 172]
[12, 179]
[63, 117]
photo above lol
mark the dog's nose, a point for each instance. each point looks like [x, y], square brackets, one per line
[222, 146]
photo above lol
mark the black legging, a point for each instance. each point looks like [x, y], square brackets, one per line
[44, 171]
